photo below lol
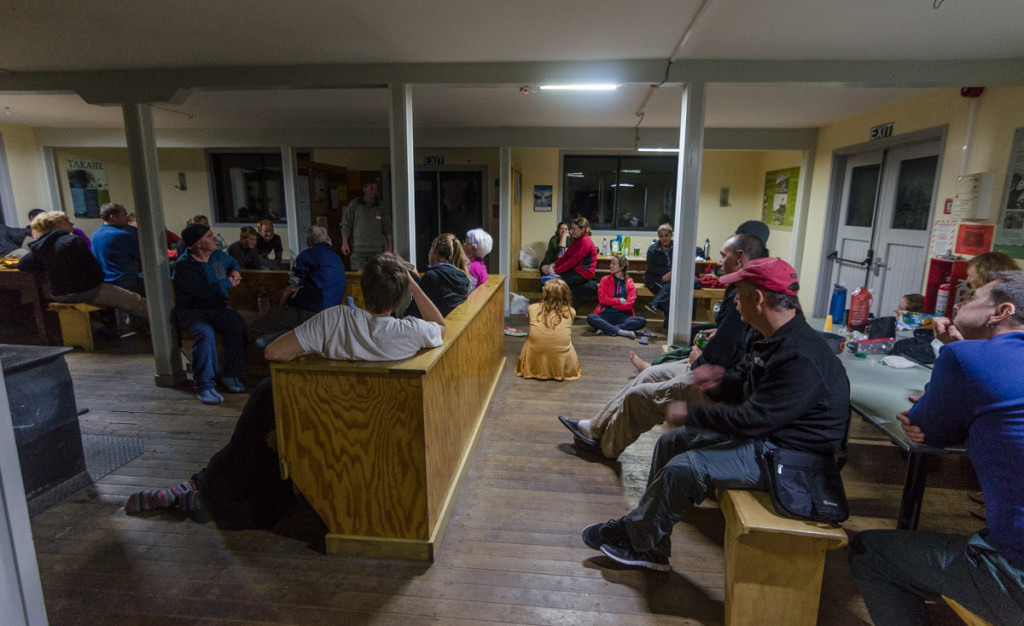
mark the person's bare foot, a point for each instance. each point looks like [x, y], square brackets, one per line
[637, 362]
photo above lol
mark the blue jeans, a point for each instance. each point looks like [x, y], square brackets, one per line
[661, 291]
[611, 321]
[897, 570]
[688, 464]
[202, 324]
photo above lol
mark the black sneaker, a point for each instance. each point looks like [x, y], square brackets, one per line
[611, 532]
[627, 556]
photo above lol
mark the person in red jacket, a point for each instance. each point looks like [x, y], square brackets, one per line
[616, 295]
[576, 267]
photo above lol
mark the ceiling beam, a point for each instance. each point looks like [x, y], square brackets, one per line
[131, 85]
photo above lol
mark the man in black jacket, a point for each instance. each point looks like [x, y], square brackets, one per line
[795, 395]
[640, 406]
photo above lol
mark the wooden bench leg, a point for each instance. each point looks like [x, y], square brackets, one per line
[75, 326]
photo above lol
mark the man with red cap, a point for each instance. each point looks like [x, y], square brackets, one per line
[793, 393]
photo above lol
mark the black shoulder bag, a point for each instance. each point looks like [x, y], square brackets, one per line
[804, 485]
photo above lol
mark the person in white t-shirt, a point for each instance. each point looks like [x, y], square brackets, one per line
[343, 333]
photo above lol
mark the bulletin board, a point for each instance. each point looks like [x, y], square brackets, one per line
[779, 206]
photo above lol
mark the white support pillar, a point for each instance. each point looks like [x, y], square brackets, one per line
[403, 210]
[51, 182]
[691, 147]
[505, 220]
[803, 205]
[296, 225]
[138, 129]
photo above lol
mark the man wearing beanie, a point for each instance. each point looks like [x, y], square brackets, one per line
[201, 280]
[793, 394]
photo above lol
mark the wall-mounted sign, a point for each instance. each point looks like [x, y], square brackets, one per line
[881, 131]
[433, 160]
[779, 204]
[87, 181]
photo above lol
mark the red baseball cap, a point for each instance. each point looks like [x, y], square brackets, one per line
[770, 273]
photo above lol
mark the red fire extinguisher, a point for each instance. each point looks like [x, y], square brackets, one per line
[942, 298]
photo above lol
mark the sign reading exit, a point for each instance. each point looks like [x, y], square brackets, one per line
[881, 131]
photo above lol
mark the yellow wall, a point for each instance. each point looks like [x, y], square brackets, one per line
[539, 167]
[178, 205]
[1000, 111]
[23, 167]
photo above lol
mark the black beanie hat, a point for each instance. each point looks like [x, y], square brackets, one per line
[193, 233]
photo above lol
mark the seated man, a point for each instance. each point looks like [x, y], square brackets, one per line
[268, 243]
[640, 406]
[795, 396]
[116, 246]
[348, 334]
[316, 282]
[245, 251]
[201, 281]
[976, 395]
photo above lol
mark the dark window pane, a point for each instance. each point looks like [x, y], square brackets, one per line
[619, 193]
[247, 187]
[914, 193]
[861, 202]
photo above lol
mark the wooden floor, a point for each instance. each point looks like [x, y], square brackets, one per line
[512, 553]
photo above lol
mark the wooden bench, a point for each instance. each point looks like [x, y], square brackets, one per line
[379, 449]
[75, 326]
[969, 618]
[773, 565]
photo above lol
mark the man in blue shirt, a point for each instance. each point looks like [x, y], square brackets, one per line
[201, 281]
[316, 282]
[116, 246]
[976, 396]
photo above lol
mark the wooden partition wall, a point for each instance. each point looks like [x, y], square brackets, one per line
[379, 449]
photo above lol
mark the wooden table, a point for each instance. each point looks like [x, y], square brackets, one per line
[32, 287]
[379, 448]
[877, 394]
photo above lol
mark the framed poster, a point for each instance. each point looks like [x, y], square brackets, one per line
[779, 205]
[1009, 236]
[542, 198]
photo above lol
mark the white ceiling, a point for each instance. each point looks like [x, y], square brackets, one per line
[84, 35]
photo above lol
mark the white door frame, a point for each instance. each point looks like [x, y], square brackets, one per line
[835, 197]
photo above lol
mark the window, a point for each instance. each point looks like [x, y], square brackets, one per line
[246, 186]
[620, 193]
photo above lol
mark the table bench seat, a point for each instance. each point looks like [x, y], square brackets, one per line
[773, 564]
[75, 326]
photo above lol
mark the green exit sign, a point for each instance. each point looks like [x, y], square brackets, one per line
[881, 131]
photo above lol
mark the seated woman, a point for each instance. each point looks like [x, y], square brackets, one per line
[578, 264]
[477, 245]
[75, 274]
[548, 353]
[446, 282]
[244, 250]
[616, 294]
[557, 244]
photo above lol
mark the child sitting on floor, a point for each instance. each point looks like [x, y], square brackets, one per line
[548, 352]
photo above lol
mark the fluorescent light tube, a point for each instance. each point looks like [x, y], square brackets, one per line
[591, 87]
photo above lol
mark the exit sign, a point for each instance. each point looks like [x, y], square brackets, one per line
[881, 131]
[433, 160]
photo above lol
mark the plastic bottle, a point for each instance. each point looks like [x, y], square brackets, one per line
[700, 340]
[942, 299]
[221, 244]
[604, 246]
[871, 346]
[837, 307]
[262, 301]
[860, 307]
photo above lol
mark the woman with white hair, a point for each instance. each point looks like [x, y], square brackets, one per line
[477, 245]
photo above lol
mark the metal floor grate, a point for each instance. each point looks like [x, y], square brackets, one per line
[106, 453]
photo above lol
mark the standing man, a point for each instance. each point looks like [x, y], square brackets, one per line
[365, 227]
[201, 281]
[116, 246]
[976, 396]
[794, 395]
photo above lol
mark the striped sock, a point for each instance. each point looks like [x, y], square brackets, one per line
[156, 498]
[191, 503]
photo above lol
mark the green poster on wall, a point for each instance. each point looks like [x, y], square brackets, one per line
[779, 204]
